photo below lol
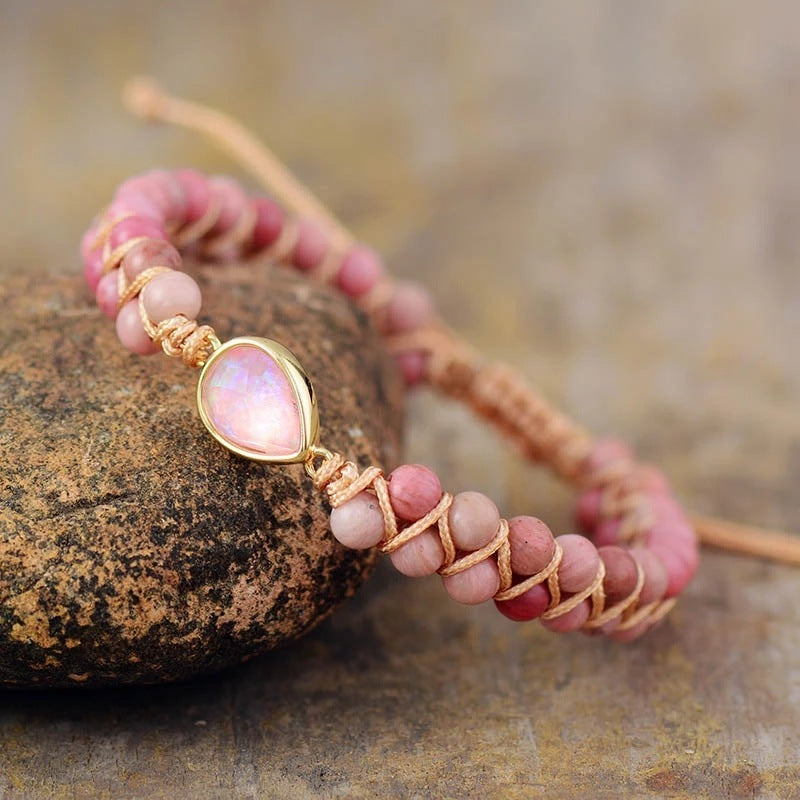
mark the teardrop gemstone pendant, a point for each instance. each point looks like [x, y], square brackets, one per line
[256, 399]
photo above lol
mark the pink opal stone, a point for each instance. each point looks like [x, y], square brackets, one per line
[250, 403]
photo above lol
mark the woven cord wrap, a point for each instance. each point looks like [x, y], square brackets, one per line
[342, 480]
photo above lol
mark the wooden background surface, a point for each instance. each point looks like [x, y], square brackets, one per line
[607, 196]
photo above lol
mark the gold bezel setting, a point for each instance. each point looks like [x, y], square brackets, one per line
[299, 382]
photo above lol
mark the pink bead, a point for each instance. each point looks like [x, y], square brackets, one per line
[605, 452]
[621, 574]
[136, 204]
[579, 563]
[107, 294]
[130, 330]
[134, 228]
[93, 269]
[311, 245]
[651, 479]
[532, 545]
[360, 271]
[89, 242]
[474, 520]
[588, 510]
[529, 605]
[358, 523]
[410, 308]
[233, 202]
[422, 556]
[606, 532]
[414, 490]
[196, 192]
[171, 293]
[474, 585]
[412, 366]
[631, 633]
[571, 621]
[149, 253]
[145, 188]
[655, 575]
[672, 531]
[680, 566]
[269, 222]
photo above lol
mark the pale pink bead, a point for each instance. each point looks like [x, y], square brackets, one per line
[358, 523]
[412, 366]
[311, 245]
[410, 308]
[606, 532]
[149, 253]
[621, 573]
[679, 564]
[269, 222]
[130, 330]
[414, 490]
[605, 452]
[140, 206]
[93, 269]
[360, 271]
[655, 575]
[107, 294]
[148, 187]
[571, 621]
[474, 520]
[171, 293]
[233, 202]
[474, 585]
[422, 556]
[532, 545]
[579, 563]
[587, 512]
[135, 228]
[196, 192]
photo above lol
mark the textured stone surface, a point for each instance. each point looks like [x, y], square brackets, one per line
[605, 194]
[133, 548]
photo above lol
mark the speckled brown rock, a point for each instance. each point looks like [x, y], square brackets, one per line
[132, 547]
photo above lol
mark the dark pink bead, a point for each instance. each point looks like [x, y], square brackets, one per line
[529, 605]
[360, 271]
[149, 253]
[269, 222]
[606, 532]
[134, 228]
[655, 575]
[414, 490]
[93, 268]
[588, 509]
[311, 245]
[232, 203]
[196, 193]
[107, 293]
[621, 573]
[571, 621]
[681, 564]
[532, 545]
[412, 366]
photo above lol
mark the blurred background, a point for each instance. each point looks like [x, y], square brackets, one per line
[606, 195]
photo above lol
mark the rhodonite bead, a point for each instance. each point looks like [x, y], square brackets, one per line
[420, 557]
[130, 331]
[605, 452]
[196, 192]
[137, 205]
[606, 532]
[414, 490]
[107, 293]
[620, 579]
[232, 203]
[412, 366]
[571, 621]
[171, 293]
[532, 545]
[359, 271]
[149, 253]
[358, 523]
[529, 605]
[311, 245]
[269, 222]
[474, 585]
[410, 307]
[93, 269]
[579, 563]
[655, 575]
[587, 512]
[133, 228]
[474, 520]
[680, 565]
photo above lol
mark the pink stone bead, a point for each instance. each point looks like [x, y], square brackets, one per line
[93, 269]
[621, 573]
[414, 490]
[311, 245]
[529, 605]
[672, 531]
[422, 556]
[474, 520]
[171, 293]
[107, 294]
[631, 633]
[474, 585]
[588, 509]
[269, 222]
[532, 545]
[89, 242]
[412, 366]
[136, 204]
[579, 563]
[360, 271]
[196, 192]
[651, 479]
[149, 253]
[680, 566]
[410, 308]
[233, 202]
[134, 228]
[655, 575]
[358, 523]
[150, 187]
[606, 451]
[130, 330]
[606, 532]
[571, 621]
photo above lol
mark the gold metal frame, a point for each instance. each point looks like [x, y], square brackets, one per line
[298, 380]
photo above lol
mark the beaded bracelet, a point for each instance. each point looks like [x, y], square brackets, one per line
[255, 398]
